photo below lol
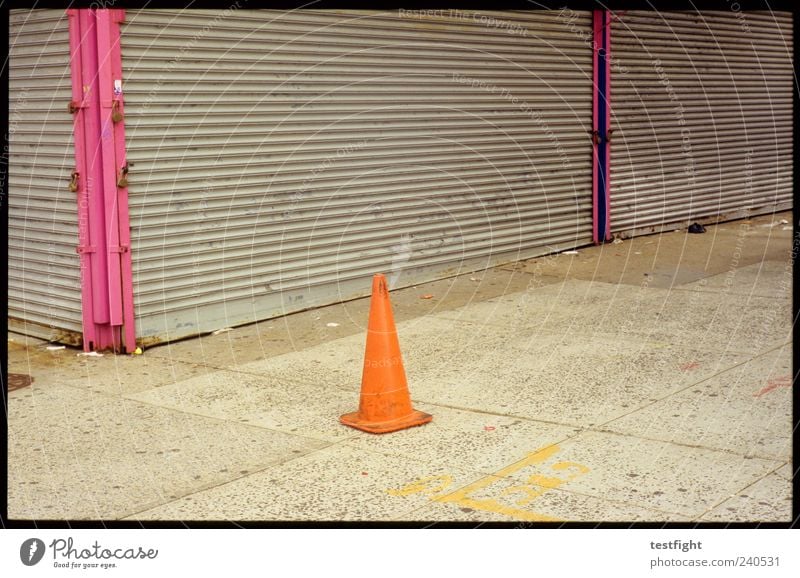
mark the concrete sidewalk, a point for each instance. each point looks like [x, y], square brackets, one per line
[648, 380]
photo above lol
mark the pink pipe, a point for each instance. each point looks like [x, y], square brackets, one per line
[597, 38]
[94, 181]
[104, 232]
[118, 16]
[87, 300]
[109, 170]
[607, 32]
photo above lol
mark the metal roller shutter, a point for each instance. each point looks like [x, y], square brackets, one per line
[44, 292]
[702, 112]
[279, 159]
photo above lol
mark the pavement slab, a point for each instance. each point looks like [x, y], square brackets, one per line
[275, 337]
[479, 442]
[671, 259]
[105, 373]
[785, 472]
[576, 380]
[75, 454]
[552, 505]
[268, 400]
[429, 345]
[767, 500]
[765, 279]
[746, 410]
[338, 483]
[650, 474]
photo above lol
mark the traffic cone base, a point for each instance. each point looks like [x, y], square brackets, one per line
[413, 419]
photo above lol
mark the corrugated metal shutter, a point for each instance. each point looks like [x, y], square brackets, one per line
[44, 293]
[702, 116]
[282, 158]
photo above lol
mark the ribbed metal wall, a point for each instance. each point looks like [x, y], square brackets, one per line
[702, 112]
[282, 158]
[44, 293]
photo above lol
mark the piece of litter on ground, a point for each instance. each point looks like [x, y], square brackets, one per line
[570, 253]
[364, 473]
[332, 324]
[617, 241]
[637, 252]
[427, 296]
[784, 222]
[90, 354]
[474, 279]
[55, 347]
[488, 428]
[786, 228]
[223, 330]
[137, 351]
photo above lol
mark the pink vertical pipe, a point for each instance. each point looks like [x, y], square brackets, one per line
[607, 31]
[128, 314]
[596, 44]
[81, 167]
[109, 171]
[94, 180]
[104, 230]
[601, 128]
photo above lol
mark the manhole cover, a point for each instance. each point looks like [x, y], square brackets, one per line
[18, 381]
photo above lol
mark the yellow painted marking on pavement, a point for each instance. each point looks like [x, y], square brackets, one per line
[430, 485]
[535, 486]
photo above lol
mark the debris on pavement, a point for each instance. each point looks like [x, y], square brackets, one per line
[570, 253]
[55, 347]
[223, 330]
[474, 279]
[426, 296]
[489, 428]
[696, 228]
[332, 324]
[617, 241]
[137, 351]
[90, 354]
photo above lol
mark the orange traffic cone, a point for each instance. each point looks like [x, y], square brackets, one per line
[385, 402]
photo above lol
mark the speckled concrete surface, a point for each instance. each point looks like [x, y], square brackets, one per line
[337, 483]
[746, 410]
[554, 505]
[758, 279]
[767, 500]
[112, 374]
[75, 454]
[270, 400]
[653, 474]
[641, 381]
